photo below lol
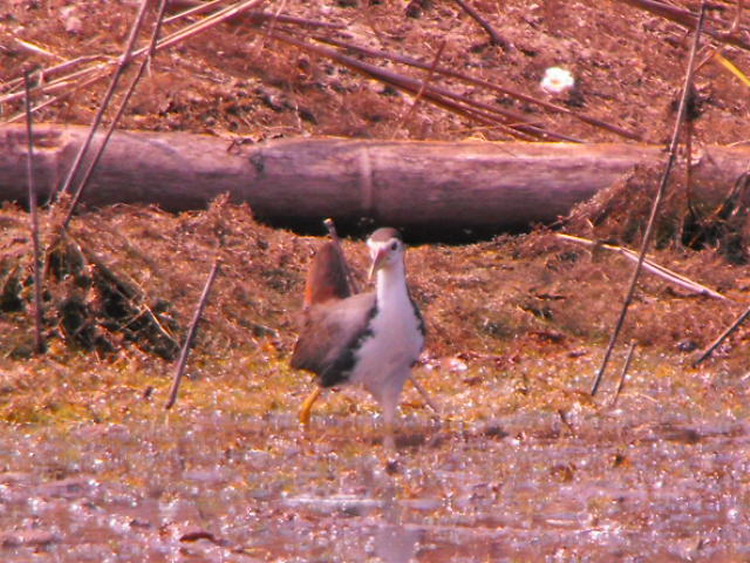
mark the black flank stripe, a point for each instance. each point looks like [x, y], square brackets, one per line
[341, 369]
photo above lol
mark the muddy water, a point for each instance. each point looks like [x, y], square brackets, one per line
[212, 487]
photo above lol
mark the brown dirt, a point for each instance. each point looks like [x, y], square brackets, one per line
[525, 464]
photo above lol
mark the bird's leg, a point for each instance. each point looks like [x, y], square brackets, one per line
[389, 440]
[304, 413]
[389, 437]
[389, 415]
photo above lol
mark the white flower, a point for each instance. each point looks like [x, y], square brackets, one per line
[556, 80]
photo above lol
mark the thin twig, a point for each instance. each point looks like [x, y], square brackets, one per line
[738, 16]
[716, 51]
[115, 120]
[16, 83]
[198, 8]
[425, 395]
[37, 253]
[418, 97]
[200, 26]
[657, 200]
[294, 20]
[353, 286]
[650, 266]
[723, 336]
[495, 37]
[689, 162]
[262, 44]
[254, 17]
[36, 48]
[732, 68]
[624, 373]
[51, 101]
[122, 65]
[185, 352]
[68, 83]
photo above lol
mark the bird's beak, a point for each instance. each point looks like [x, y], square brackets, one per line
[378, 261]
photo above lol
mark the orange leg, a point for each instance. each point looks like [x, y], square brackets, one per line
[304, 413]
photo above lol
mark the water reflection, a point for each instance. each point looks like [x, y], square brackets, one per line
[520, 488]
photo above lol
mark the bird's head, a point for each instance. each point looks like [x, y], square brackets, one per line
[386, 249]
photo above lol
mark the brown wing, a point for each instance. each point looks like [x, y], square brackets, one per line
[328, 334]
[326, 279]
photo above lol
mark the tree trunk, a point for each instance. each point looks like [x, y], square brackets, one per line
[464, 185]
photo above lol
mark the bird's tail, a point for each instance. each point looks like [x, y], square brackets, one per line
[326, 279]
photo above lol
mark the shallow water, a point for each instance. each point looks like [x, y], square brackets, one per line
[217, 487]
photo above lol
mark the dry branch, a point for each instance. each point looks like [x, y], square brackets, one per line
[410, 111]
[723, 336]
[410, 61]
[15, 86]
[623, 374]
[515, 122]
[495, 37]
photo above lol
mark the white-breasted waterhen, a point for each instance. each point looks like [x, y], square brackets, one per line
[372, 339]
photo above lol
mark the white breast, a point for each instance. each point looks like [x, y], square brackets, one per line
[384, 359]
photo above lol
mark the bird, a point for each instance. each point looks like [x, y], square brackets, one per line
[372, 339]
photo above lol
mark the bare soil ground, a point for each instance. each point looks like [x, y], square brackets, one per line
[523, 464]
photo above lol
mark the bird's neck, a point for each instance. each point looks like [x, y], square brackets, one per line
[391, 286]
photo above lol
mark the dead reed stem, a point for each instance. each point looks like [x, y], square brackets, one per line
[122, 65]
[403, 59]
[418, 97]
[103, 69]
[115, 120]
[36, 250]
[514, 123]
[723, 336]
[495, 37]
[185, 352]
[650, 266]
[624, 373]
[686, 87]
[687, 18]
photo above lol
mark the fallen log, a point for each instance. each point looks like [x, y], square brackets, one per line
[428, 185]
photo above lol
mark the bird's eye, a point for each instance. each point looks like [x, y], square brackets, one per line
[394, 245]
